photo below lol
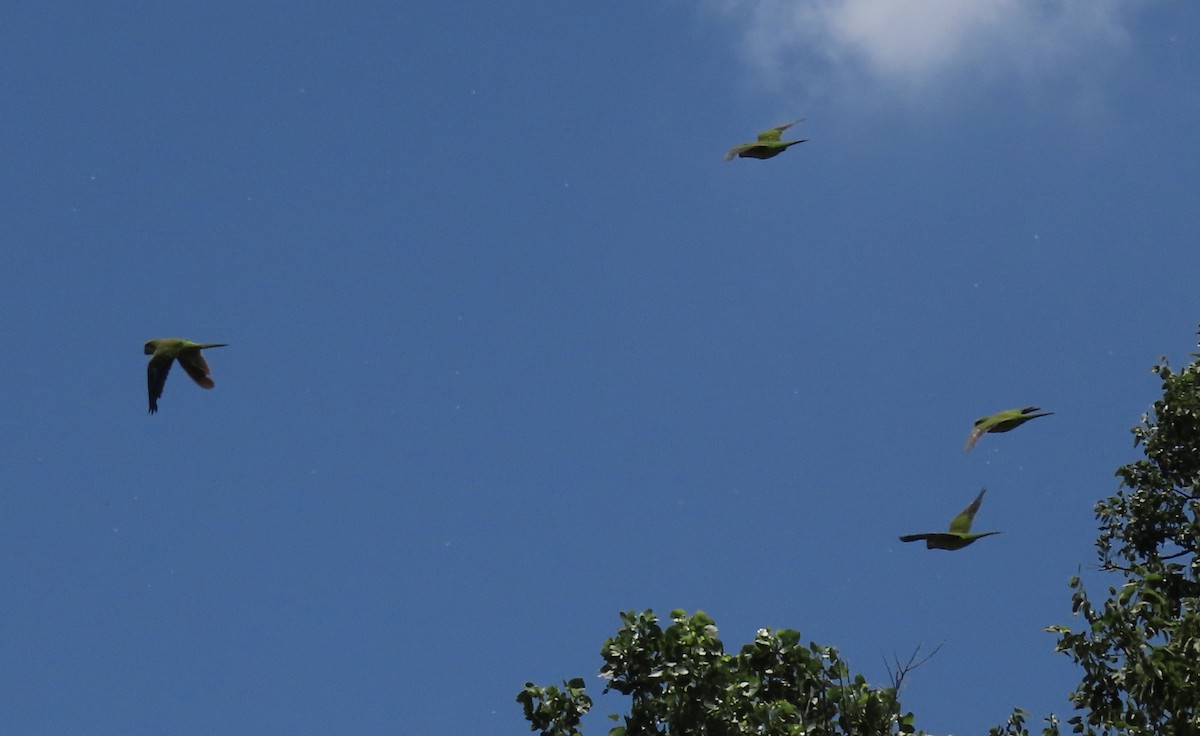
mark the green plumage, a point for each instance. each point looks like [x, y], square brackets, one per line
[1002, 422]
[767, 145]
[167, 350]
[959, 535]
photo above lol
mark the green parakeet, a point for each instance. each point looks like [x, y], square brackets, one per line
[767, 145]
[1002, 422]
[169, 349]
[959, 535]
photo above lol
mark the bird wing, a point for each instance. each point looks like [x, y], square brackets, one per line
[979, 430]
[193, 362]
[156, 377]
[733, 152]
[775, 133]
[983, 425]
[961, 524]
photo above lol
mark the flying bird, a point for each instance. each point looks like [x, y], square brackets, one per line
[959, 535]
[169, 349]
[1002, 422]
[767, 145]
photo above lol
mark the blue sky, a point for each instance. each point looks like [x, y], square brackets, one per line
[512, 348]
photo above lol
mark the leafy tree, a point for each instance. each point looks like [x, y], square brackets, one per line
[1140, 649]
[555, 712]
[681, 681]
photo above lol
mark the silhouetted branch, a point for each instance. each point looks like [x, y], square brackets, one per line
[900, 671]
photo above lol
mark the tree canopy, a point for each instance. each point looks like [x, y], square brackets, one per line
[681, 681]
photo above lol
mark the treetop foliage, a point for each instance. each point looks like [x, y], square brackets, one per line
[681, 681]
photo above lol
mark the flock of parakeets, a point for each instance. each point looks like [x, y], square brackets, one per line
[960, 535]
[770, 143]
[166, 351]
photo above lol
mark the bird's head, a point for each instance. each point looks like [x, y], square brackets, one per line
[151, 346]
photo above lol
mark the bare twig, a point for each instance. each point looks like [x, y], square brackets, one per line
[900, 671]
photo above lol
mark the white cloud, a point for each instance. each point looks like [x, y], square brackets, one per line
[916, 43]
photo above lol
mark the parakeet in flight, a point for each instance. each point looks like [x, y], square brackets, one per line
[767, 145]
[1002, 422]
[959, 535]
[169, 349]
